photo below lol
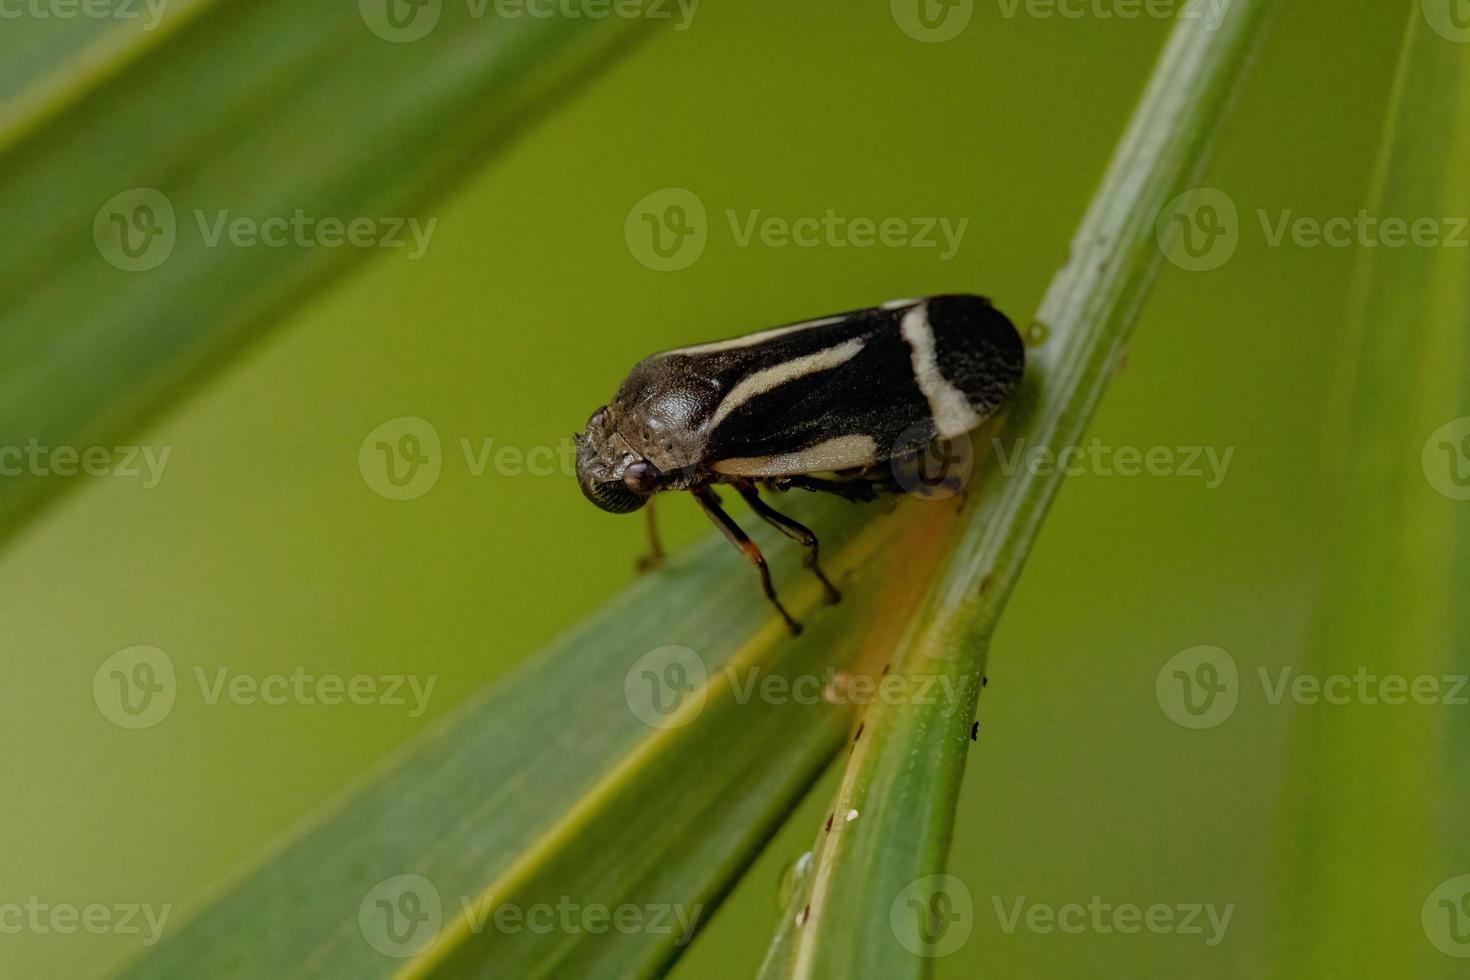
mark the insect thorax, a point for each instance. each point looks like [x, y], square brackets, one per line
[661, 413]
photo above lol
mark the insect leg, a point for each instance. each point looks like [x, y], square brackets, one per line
[655, 556]
[793, 530]
[850, 489]
[723, 521]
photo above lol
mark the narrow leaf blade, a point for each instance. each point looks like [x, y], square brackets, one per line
[878, 903]
[132, 278]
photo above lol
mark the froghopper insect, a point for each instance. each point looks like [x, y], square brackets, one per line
[823, 405]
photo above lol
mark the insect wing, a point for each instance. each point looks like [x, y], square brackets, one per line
[860, 388]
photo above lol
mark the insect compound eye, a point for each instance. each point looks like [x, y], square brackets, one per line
[613, 496]
[595, 420]
[641, 477]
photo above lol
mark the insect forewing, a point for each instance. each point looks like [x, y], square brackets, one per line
[852, 390]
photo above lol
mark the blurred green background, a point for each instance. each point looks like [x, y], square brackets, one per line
[264, 549]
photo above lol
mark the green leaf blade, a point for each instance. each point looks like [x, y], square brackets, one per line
[871, 907]
[607, 802]
[215, 119]
[1361, 831]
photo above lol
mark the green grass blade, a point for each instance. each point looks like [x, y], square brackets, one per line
[568, 787]
[1363, 831]
[255, 110]
[894, 809]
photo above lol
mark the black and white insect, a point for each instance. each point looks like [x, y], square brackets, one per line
[822, 405]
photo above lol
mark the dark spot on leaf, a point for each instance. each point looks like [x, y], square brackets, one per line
[975, 732]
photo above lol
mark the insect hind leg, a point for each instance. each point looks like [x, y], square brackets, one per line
[711, 505]
[796, 532]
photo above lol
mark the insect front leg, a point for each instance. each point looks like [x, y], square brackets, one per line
[655, 556]
[723, 521]
[855, 490]
[796, 532]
